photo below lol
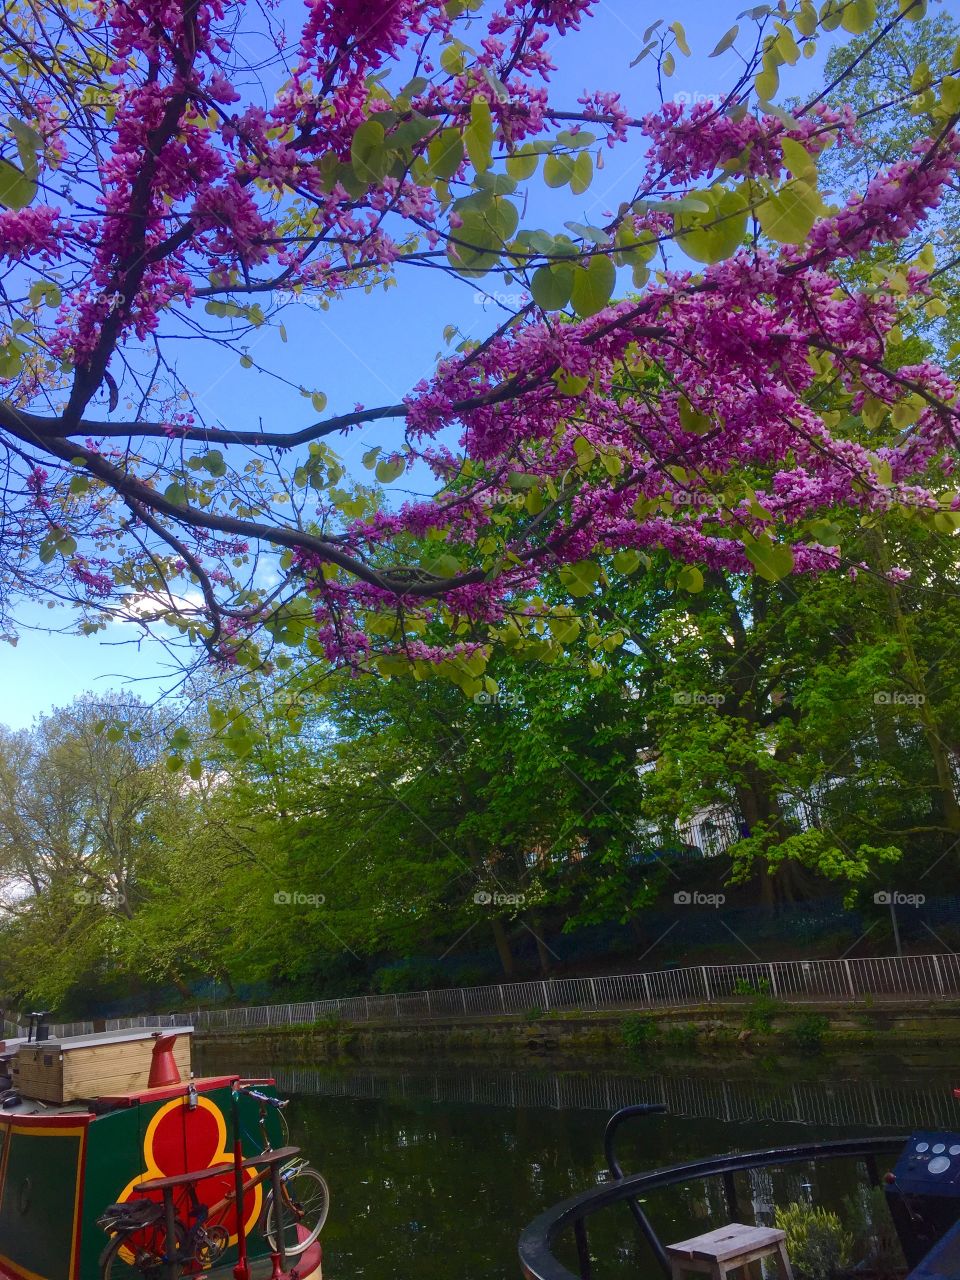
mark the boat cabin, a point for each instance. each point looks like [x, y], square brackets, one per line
[86, 1120]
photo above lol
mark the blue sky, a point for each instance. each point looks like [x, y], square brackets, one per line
[372, 349]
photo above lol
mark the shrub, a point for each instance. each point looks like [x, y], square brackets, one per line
[409, 975]
[876, 1237]
[808, 1031]
[819, 1245]
[533, 1015]
[639, 1031]
[762, 1006]
[682, 1035]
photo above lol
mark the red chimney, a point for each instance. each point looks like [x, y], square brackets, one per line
[163, 1065]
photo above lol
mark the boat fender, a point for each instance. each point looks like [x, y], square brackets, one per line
[10, 1099]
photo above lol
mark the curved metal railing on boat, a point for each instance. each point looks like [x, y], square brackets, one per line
[538, 1239]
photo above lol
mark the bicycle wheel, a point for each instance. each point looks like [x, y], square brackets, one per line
[132, 1254]
[306, 1202]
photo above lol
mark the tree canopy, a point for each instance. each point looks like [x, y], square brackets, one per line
[702, 372]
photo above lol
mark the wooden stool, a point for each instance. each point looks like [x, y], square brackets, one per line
[717, 1253]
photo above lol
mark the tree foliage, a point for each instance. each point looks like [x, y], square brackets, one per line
[708, 326]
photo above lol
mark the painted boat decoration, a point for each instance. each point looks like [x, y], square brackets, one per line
[109, 1149]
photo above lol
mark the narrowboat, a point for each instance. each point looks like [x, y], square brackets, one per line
[117, 1164]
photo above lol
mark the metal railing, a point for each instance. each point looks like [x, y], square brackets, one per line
[865, 1103]
[929, 977]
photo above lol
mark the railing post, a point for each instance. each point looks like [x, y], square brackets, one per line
[706, 983]
[546, 998]
[593, 992]
[937, 970]
[773, 981]
[429, 1006]
[366, 1006]
[850, 986]
[646, 988]
[503, 998]
[396, 1014]
[463, 998]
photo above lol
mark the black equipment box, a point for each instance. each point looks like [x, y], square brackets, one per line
[923, 1193]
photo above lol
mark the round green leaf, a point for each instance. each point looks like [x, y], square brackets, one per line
[716, 235]
[593, 285]
[552, 286]
[788, 215]
[445, 154]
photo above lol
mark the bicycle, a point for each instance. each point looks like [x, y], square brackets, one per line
[137, 1227]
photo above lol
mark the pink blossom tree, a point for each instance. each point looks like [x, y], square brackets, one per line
[695, 373]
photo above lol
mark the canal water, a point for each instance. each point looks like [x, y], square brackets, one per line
[434, 1172]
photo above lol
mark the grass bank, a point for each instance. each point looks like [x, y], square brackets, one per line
[747, 1027]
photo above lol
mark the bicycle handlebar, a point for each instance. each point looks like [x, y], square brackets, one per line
[265, 1098]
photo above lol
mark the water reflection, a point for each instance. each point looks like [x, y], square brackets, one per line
[435, 1172]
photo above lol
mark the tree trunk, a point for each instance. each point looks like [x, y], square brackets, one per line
[543, 951]
[503, 947]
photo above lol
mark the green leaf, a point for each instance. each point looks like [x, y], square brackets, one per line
[177, 493]
[772, 560]
[16, 189]
[444, 566]
[523, 163]
[445, 154]
[478, 134]
[582, 174]
[570, 384]
[716, 235]
[551, 286]
[806, 18]
[475, 247]
[214, 463]
[726, 41]
[913, 10]
[48, 293]
[626, 561]
[370, 157]
[690, 578]
[29, 143]
[767, 83]
[558, 170]
[580, 579]
[388, 471]
[691, 419]
[798, 159]
[788, 215]
[593, 285]
[859, 16]
[681, 37]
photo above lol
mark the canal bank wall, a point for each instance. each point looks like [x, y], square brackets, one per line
[743, 1027]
